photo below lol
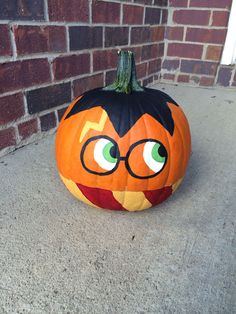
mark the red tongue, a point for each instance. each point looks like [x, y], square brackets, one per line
[157, 196]
[100, 197]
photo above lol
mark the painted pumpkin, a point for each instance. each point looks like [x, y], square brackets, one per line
[123, 147]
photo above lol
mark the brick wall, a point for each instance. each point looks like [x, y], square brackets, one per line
[194, 39]
[53, 50]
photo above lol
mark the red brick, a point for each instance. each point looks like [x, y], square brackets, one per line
[69, 66]
[5, 43]
[11, 108]
[7, 138]
[141, 70]
[224, 76]
[220, 18]
[132, 14]
[170, 64]
[174, 33]
[212, 36]
[214, 53]
[161, 3]
[104, 59]
[48, 97]
[152, 16]
[140, 35]
[211, 3]
[22, 10]
[74, 11]
[198, 67]
[157, 33]
[84, 84]
[164, 16]
[105, 12]
[137, 53]
[85, 37]
[160, 49]
[110, 77]
[168, 76]
[116, 36]
[178, 3]
[28, 128]
[154, 66]
[183, 78]
[206, 81]
[149, 52]
[35, 39]
[20, 74]
[143, 1]
[148, 81]
[185, 50]
[48, 121]
[60, 113]
[191, 17]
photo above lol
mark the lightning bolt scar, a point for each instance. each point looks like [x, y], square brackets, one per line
[98, 126]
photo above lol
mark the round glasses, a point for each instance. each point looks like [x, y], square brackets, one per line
[146, 158]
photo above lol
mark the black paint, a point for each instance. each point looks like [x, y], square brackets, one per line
[125, 109]
[121, 158]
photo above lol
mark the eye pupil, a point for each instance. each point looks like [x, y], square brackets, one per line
[110, 152]
[162, 151]
[113, 151]
[158, 152]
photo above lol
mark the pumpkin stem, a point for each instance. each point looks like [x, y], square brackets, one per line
[126, 79]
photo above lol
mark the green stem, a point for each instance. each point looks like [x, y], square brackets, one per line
[126, 79]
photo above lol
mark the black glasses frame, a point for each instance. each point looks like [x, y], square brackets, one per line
[120, 158]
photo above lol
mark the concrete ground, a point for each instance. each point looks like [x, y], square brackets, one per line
[58, 255]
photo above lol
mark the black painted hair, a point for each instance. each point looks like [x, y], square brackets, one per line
[125, 109]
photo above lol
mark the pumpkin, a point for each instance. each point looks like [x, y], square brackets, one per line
[124, 146]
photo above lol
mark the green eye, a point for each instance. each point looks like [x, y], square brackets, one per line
[109, 152]
[105, 153]
[158, 153]
[155, 156]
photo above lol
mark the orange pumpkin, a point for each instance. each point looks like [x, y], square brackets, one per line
[123, 147]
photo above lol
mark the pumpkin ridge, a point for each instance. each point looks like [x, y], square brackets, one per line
[184, 150]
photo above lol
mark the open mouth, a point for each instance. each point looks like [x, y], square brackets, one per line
[125, 200]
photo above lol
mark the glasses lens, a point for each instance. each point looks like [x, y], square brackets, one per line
[100, 155]
[146, 158]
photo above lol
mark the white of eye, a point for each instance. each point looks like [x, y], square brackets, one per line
[154, 165]
[99, 155]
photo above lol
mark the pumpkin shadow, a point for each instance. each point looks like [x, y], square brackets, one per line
[190, 180]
